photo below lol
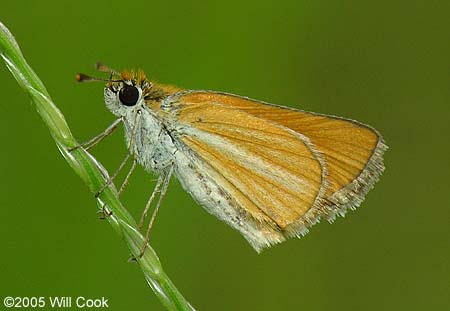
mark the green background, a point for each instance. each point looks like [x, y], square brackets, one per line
[385, 63]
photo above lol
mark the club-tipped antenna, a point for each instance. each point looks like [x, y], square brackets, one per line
[81, 77]
[104, 68]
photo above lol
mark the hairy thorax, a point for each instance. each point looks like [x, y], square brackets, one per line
[149, 141]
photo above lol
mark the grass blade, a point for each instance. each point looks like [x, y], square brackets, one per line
[90, 171]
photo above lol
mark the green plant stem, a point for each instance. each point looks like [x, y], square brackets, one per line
[91, 172]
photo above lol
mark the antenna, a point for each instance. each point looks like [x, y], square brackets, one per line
[81, 77]
[104, 68]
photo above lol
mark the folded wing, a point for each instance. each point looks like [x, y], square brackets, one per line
[352, 152]
[271, 171]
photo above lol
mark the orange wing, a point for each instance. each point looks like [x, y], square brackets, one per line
[273, 173]
[352, 152]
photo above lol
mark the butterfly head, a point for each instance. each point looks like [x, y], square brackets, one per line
[127, 93]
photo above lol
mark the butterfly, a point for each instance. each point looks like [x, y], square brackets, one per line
[268, 171]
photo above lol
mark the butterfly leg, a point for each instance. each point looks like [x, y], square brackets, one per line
[110, 179]
[103, 212]
[156, 190]
[137, 120]
[127, 178]
[165, 184]
[97, 139]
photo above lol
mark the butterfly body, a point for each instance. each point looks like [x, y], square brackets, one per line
[268, 171]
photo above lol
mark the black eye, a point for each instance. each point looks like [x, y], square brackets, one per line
[129, 95]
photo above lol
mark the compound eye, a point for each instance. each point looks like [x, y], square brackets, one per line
[129, 95]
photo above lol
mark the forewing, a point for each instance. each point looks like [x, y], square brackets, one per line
[272, 172]
[353, 152]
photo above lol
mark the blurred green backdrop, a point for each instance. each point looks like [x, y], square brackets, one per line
[385, 63]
